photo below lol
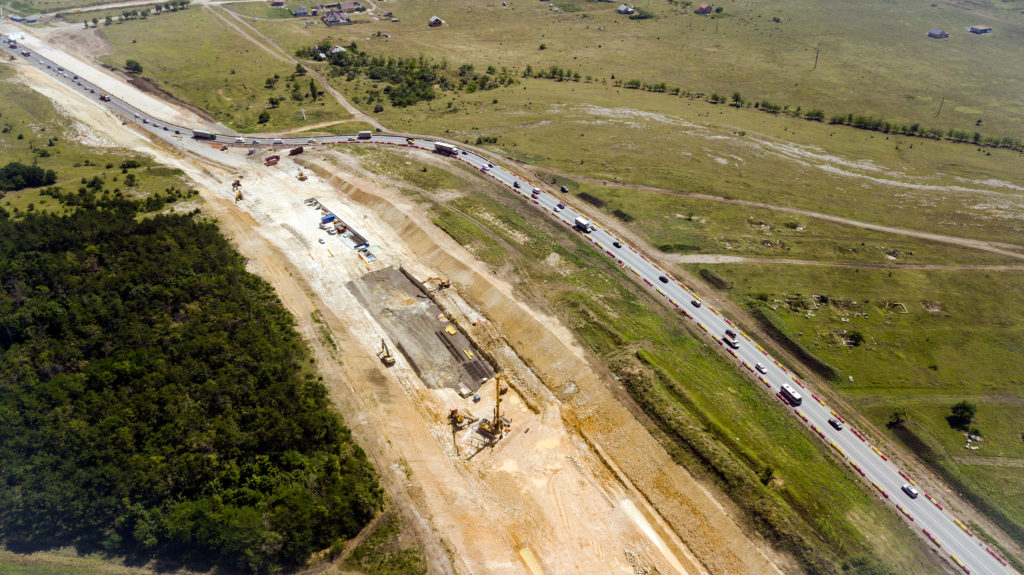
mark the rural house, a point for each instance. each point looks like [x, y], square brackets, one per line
[351, 7]
[434, 22]
[703, 9]
[335, 18]
[624, 9]
[300, 12]
[938, 33]
[980, 29]
[277, 3]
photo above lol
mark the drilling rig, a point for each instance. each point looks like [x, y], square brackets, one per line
[497, 427]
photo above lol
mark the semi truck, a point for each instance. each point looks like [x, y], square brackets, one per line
[583, 224]
[365, 135]
[446, 149]
[203, 135]
[295, 151]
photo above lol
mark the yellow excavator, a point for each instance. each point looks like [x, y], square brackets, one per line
[237, 187]
[460, 419]
[497, 427]
[441, 283]
[302, 176]
[385, 354]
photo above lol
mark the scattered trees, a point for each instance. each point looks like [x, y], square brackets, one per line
[897, 418]
[132, 66]
[264, 117]
[961, 415]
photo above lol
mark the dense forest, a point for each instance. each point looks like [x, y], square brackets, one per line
[156, 401]
[15, 176]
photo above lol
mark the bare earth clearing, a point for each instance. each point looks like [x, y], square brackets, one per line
[578, 485]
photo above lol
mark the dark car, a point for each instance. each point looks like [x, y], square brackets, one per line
[695, 303]
[617, 244]
[838, 425]
[663, 279]
[730, 333]
[560, 206]
[565, 189]
[515, 185]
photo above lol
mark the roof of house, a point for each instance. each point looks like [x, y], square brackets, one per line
[333, 16]
[937, 32]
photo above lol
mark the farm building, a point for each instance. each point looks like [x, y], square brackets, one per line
[938, 33]
[351, 7]
[277, 3]
[625, 9]
[300, 12]
[434, 22]
[335, 18]
[703, 9]
[980, 29]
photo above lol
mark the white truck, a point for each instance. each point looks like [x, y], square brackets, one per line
[446, 149]
[365, 135]
[583, 224]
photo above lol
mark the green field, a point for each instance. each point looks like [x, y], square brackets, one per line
[723, 427]
[959, 340]
[33, 132]
[231, 85]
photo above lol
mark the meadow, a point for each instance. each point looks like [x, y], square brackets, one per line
[959, 339]
[219, 70]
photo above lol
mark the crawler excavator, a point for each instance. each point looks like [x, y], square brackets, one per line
[385, 354]
[441, 283]
[237, 187]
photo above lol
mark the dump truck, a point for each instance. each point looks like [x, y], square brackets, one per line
[295, 151]
[446, 149]
[583, 224]
[104, 98]
[365, 135]
[203, 135]
[271, 160]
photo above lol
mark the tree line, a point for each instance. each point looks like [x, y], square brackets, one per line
[157, 401]
[16, 176]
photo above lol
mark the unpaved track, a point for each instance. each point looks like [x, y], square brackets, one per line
[722, 259]
[579, 486]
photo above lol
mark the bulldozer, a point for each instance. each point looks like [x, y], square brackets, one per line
[497, 427]
[441, 283]
[385, 354]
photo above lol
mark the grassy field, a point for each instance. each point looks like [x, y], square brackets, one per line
[725, 428]
[959, 340]
[63, 562]
[33, 131]
[231, 81]
[261, 10]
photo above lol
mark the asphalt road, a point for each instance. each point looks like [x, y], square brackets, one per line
[923, 513]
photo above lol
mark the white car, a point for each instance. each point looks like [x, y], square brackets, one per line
[239, 140]
[761, 368]
[909, 490]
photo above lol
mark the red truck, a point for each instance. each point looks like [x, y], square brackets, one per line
[295, 151]
[272, 160]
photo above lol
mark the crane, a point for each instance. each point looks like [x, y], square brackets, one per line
[385, 354]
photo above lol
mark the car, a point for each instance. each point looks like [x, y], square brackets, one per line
[239, 140]
[166, 128]
[731, 343]
[463, 152]
[695, 303]
[617, 244]
[60, 69]
[560, 206]
[515, 185]
[910, 490]
[564, 189]
[838, 425]
[760, 367]
[177, 131]
[41, 63]
[663, 279]
[730, 333]
[75, 78]
[155, 125]
[490, 165]
[145, 120]
[322, 241]
[255, 142]
[535, 195]
[48, 67]
[484, 169]
[278, 141]
[409, 141]
[92, 91]
[311, 141]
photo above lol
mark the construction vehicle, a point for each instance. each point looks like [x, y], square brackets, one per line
[441, 283]
[272, 160]
[104, 98]
[295, 151]
[496, 428]
[302, 176]
[237, 187]
[385, 354]
[460, 420]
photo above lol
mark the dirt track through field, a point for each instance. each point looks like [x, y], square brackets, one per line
[722, 259]
[1015, 251]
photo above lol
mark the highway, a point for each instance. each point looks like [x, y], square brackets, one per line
[923, 513]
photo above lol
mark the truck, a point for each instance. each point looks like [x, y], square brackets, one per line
[583, 224]
[365, 135]
[271, 160]
[203, 135]
[327, 218]
[104, 98]
[446, 149]
[295, 151]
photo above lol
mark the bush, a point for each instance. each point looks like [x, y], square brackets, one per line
[132, 66]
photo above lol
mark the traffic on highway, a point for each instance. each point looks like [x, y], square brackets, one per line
[921, 510]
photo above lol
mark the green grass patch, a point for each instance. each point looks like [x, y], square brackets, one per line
[382, 552]
[235, 86]
[262, 10]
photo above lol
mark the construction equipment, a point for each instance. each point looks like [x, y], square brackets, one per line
[441, 283]
[496, 428]
[385, 354]
[272, 160]
[302, 176]
[460, 420]
[237, 187]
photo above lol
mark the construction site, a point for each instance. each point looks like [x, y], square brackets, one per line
[497, 437]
